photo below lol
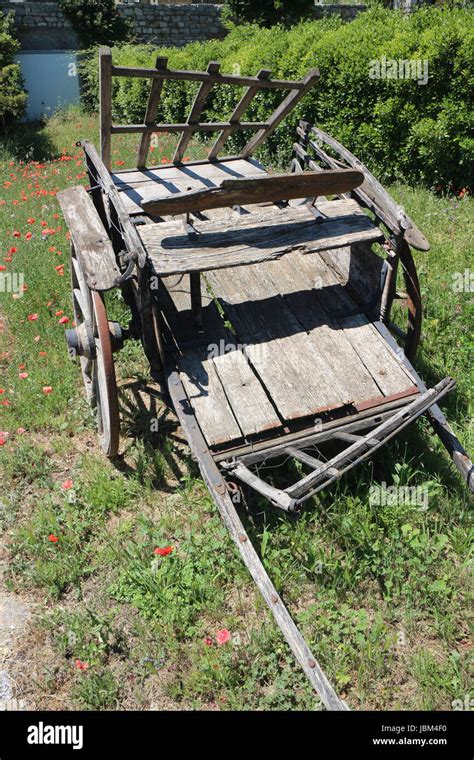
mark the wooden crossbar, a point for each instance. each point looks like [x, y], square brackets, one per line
[207, 80]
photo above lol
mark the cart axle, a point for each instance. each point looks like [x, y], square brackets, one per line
[81, 342]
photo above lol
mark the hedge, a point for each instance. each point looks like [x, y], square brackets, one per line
[401, 129]
[12, 95]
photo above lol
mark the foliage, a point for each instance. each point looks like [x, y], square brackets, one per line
[402, 129]
[96, 22]
[268, 12]
[12, 94]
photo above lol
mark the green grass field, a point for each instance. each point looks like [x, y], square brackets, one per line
[380, 592]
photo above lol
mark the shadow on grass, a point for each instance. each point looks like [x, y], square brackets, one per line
[28, 142]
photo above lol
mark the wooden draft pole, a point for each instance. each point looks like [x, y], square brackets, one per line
[218, 489]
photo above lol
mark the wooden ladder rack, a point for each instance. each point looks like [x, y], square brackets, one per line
[207, 80]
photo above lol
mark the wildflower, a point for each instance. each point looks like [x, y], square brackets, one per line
[63, 320]
[163, 551]
[67, 485]
[28, 236]
[223, 636]
[54, 539]
[30, 220]
[80, 665]
[47, 389]
[23, 375]
[16, 233]
[32, 317]
[208, 641]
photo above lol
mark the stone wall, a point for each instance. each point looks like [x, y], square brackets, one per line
[42, 26]
[347, 12]
[175, 24]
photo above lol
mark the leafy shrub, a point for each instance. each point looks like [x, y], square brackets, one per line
[268, 12]
[403, 130]
[96, 22]
[12, 95]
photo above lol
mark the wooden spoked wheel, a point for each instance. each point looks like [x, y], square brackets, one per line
[92, 342]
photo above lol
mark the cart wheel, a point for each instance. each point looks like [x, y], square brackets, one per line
[92, 341]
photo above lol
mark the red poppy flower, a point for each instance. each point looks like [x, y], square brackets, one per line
[16, 233]
[41, 353]
[208, 641]
[58, 312]
[54, 539]
[67, 485]
[28, 236]
[23, 375]
[2, 268]
[32, 317]
[163, 551]
[30, 220]
[12, 249]
[80, 665]
[223, 636]
[47, 389]
[63, 320]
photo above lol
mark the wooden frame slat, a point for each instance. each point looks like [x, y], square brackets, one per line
[201, 76]
[239, 110]
[279, 114]
[150, 116]
[196, 110]
[125, 129]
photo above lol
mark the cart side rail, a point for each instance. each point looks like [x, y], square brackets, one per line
[207, 81]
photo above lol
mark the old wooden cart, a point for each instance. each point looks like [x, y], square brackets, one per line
[263, 303]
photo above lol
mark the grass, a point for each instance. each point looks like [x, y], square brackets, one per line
[381, 592]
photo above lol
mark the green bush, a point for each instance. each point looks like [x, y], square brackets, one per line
[96, 22]
[12, 95]
[268, 12]
[403, 130]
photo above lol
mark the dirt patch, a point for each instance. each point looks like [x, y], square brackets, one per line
[14, 616]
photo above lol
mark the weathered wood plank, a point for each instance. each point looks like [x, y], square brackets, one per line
[384, 366]
[304, 295]
[91, 242]
[151, 111]
[297, 378]
[255, 237]
[277, 187]
[200, 170]
[134, 195]
[221, 358]
[105, 100]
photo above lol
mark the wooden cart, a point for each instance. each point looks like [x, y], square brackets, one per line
[263, 303]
